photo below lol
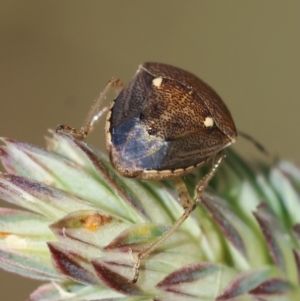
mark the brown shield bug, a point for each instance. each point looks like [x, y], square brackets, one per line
[164, 124]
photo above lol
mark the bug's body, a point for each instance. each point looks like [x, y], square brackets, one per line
[166, 123]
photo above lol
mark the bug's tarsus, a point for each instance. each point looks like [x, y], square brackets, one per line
[71, 131]
[95, 112]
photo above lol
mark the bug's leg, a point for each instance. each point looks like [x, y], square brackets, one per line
[183, 195]
[95, 112]
[188, 204]
[206, 179]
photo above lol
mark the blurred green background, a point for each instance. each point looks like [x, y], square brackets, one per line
[56, 56]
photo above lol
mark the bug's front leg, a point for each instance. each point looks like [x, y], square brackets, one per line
[95, 112]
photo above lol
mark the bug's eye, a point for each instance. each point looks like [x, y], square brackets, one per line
[142, 116]
[151, 131]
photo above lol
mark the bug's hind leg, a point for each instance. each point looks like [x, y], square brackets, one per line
[95, 112]
[188, 203]
[206, 179]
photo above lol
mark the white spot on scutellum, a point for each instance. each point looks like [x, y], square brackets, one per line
[208, 122]
[157, 82]
[15, 242]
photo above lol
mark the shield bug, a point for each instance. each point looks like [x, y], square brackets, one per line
[163, 125]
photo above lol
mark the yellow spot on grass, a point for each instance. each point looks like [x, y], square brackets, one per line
[94, 221]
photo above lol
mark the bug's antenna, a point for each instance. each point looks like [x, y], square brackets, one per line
[257, 144]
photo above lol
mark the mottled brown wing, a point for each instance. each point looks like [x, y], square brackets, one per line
[195, 149]
[173, 111]
[213, 101]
